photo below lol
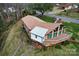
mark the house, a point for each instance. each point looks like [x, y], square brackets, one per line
[64, 6]
[44, 33]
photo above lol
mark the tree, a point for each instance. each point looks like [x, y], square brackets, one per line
[42, 7]
[68, 12]
[77, 5]
[2, 25]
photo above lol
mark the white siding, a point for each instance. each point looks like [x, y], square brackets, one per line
[33, 36]
[39, 39]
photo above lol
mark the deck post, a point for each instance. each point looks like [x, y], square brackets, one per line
[46, 37]
[52, 34]
[62, 31]
[58, 31]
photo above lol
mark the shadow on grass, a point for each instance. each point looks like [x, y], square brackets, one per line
[58, 46]
[65, 43]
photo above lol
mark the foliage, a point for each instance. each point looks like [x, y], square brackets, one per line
[47, 19]
[28, 12]
[2, 26]
[41, 7]
[77, 4]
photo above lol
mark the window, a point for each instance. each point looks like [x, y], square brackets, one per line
[55, 34]
[35, 36]
[50, 35]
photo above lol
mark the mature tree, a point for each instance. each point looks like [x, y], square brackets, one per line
[2, 24]
[42, 7]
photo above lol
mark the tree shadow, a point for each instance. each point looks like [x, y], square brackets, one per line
[65, 43]
[58, 46]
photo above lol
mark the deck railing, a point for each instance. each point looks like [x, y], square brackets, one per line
[68, 35]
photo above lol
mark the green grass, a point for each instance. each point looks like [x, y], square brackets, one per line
[71, 14]
[74, 28]
[13, 41]
[47, 19]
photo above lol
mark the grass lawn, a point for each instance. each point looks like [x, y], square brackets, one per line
[74, 28]
[71, 15]
[14, 43]
[47, 19]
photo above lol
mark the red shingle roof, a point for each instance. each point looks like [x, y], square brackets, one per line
[31, 22]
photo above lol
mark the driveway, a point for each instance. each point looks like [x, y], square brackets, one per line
[66, 19]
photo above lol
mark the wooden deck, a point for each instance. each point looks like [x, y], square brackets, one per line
[56, 40]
